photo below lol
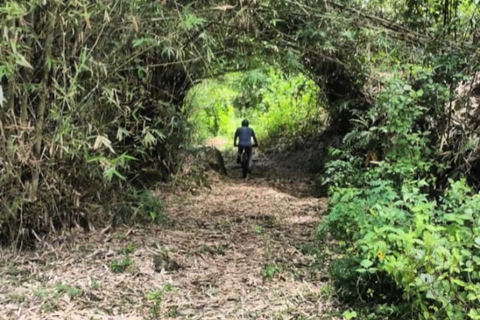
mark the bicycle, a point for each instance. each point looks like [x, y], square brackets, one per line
[245, 161]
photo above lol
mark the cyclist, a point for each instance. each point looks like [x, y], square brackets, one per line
[244, 134]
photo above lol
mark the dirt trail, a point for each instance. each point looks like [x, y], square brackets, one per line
[243, 247]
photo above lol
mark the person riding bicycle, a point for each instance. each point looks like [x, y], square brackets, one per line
[244, 134]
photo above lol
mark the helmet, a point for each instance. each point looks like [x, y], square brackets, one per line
[245, 123]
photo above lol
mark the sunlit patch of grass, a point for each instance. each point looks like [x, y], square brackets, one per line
[155, 297]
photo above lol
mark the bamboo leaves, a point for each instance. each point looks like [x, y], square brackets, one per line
[103, 141]
[21, 61]
[191, 22]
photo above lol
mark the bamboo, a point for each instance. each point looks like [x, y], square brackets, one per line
[28, 76]
[42, 104]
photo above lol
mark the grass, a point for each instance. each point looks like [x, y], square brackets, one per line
[156, 298]
[49, 298]
[94, 284]
[328, 290]
[128, 249]
[269, 271]
[226, 226]
[72, 291]
[121, 265]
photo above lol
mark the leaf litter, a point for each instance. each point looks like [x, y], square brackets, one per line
[238, 245]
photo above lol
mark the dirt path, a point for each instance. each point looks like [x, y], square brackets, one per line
[244, 248]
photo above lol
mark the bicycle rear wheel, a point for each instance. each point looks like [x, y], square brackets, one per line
[244, 165]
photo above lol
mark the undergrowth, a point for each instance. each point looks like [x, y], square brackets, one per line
[404, 251]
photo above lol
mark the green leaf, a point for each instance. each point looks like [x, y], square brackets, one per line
[477, 241]
[349, 314]
[138, 42]
[474, 314]
[109, 173]
[366, 263]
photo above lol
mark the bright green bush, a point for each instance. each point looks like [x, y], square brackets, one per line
[288, 108]
[279, 107]
[388, 226]
[431, 249]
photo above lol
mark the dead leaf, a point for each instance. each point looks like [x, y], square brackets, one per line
[135, 24]
[103, 141]
[21, 60]
[106, 17]
[224, 7]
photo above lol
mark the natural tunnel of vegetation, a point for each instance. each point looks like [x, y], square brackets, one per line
[115, 117]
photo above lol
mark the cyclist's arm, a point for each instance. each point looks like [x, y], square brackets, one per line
[235, 138]
[254, 138]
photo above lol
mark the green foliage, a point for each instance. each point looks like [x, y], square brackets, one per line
[289, 107]
[156, 298]
[150, 206]
[121, 265]
[71, 291]
[269, 271]
[279, 107]
[349, 314]
[140, 206]
[210, 105]
[394, 238]
[428, 248]
[86, 109]
[50, 298]
[128, 249]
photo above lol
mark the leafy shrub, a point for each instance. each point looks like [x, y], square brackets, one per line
[387, 225]
[72, 138]
[141, 206]
[431, 250]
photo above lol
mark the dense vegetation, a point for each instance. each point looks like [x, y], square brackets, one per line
[279, 107]
[403, 207]
[92, 93]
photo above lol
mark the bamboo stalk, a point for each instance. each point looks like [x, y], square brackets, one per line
[42, 103]
[12, 83]
[28, 75]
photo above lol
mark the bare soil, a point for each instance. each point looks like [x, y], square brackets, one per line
[244, 247]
